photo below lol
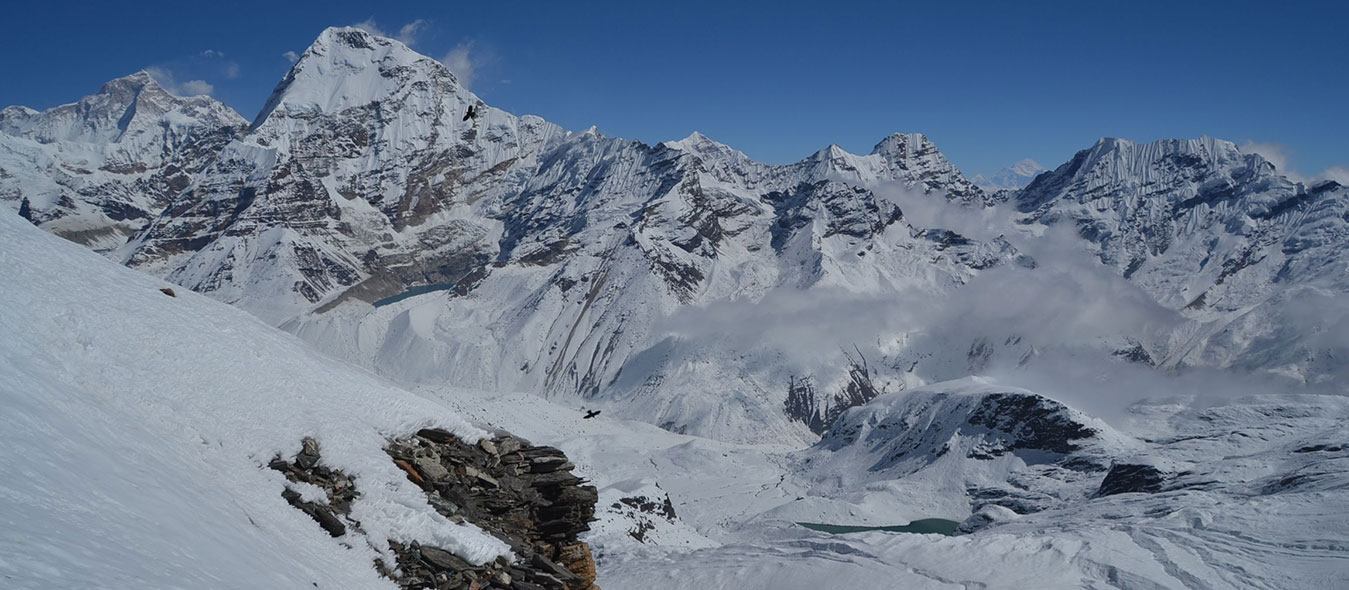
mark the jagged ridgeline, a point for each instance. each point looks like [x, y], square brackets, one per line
[362, 211]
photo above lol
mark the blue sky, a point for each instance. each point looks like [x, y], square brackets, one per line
[989, 83]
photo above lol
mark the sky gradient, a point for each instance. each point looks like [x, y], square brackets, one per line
[989, 83]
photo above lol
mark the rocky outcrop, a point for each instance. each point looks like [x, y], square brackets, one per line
[1007, 447]
[804, 404]
[520, 493]
[523, 494]
[641, 510]
[1127, 478]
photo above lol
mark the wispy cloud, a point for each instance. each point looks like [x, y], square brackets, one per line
[1338, 174]
[1282, 158]
[370, 26]
[465, 62]
[166, 78]
[291, 56]
[408, 34]
[1278, 155]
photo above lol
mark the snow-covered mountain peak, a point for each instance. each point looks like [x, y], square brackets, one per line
[702, 145]
[347, 67]
[122, 108]
[1027, 167]
[1133, 170]
[899, 146]
[1011, 178]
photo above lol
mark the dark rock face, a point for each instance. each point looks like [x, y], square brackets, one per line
[1030, 422]
[523, 494]
[804, 404]
[1125, 478]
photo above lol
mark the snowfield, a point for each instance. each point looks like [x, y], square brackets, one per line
[136, 427]
[1234, 519]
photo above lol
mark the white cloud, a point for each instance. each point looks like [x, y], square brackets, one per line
[231, 71]
[462, 62]
[212, 53]
[291, 56]
[1278, 155]
[370, 26]
[196, 87]
[1338, 174]
[409, 32]
[166, 79]
[1282, 158]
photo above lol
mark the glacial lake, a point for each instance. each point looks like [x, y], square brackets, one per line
[925, 526]
[413, 292]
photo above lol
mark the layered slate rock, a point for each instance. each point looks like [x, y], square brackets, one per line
[523, 494]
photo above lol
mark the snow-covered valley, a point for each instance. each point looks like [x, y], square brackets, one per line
[1128, 373]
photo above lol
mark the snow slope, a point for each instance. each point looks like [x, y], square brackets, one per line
[1254, 494]
[136, 428]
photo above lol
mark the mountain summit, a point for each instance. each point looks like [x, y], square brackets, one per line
[97, 170]
[1011, 178]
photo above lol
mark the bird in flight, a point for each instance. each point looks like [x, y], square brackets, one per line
[591, 414]
[471, 114]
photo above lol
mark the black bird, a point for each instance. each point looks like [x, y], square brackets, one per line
[471, 114]
[591, 414]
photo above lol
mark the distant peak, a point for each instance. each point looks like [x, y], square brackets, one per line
[897, 143]
[349, 37]
[696, 137]
[136, 81]
[698, 143]
[1013, 177]
[348, 67]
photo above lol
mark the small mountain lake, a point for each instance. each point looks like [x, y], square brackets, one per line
[413, 292]
[925, 526]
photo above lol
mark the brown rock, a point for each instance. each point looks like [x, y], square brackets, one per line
[578, 559]
[411, 471]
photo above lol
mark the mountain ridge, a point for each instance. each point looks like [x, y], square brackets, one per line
[549, 261]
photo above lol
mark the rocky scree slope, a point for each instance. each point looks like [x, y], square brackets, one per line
[522, 494]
